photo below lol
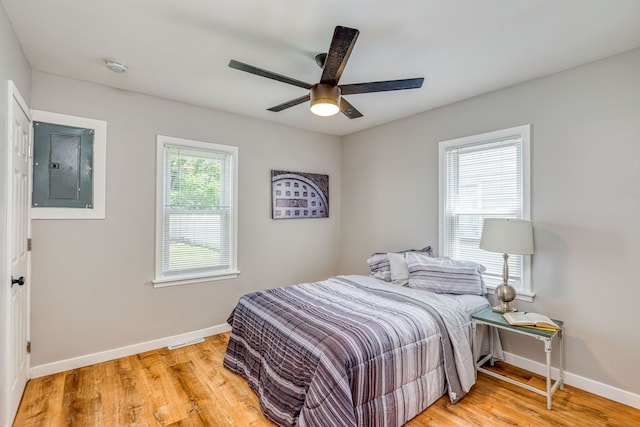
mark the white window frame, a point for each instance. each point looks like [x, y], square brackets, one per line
[161, 279]
[525, 288]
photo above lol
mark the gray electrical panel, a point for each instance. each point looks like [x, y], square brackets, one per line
[62, 166]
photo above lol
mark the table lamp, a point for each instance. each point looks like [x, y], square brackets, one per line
[506, 236]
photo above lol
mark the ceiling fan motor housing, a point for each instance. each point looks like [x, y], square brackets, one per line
[323, 94]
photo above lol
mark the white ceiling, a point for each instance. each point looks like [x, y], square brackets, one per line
[179, 49]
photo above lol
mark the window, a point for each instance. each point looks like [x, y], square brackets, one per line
[196, 219]
[485, 176]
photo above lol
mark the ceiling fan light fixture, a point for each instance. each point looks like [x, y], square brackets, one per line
[325, 100]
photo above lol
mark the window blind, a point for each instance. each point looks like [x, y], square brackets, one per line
[196, 210]
[482, 180]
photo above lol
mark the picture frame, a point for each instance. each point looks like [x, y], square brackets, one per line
[296, 195]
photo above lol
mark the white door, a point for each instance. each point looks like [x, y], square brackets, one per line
[18, 222]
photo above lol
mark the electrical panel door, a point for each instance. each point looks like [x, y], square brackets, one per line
[62, 166]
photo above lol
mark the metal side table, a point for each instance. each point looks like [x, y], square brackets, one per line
[495, 320]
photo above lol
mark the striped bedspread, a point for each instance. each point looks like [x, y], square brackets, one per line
[350, 351]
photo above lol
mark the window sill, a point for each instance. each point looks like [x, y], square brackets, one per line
[189, 280]
[520, 295]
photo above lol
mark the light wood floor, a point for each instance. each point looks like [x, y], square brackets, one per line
[190, 387]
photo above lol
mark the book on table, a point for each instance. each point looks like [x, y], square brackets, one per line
[536, 320]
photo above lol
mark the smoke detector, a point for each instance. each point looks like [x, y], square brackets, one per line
[115, 66]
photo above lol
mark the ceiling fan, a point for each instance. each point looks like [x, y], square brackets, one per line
[327, 96]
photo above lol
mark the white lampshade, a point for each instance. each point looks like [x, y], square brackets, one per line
[507, 236]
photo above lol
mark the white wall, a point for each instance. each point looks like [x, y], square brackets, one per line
[585, 202]
[92, 278]
[13, 66]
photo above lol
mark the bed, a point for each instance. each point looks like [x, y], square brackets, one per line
[352, 350]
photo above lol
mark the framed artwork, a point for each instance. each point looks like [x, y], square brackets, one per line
[299, 195]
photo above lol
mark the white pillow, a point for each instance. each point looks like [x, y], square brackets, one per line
[399, 269]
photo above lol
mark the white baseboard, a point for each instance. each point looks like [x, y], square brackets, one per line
[103, 356]
[577, 381]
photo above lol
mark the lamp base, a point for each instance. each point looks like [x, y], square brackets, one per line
[505, 293]
[499, 309]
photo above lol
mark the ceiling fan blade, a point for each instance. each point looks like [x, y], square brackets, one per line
[382, 86]
[349, 110]
[344, 39]
[268, 74]
[291, 103]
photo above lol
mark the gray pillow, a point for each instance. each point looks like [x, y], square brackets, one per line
[445, 275]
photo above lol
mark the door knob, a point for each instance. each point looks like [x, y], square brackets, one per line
[19, 281]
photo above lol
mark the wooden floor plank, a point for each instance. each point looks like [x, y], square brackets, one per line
[44, 408]
[189, 387]
[161, 391]
[124, 407]
[82, 399]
